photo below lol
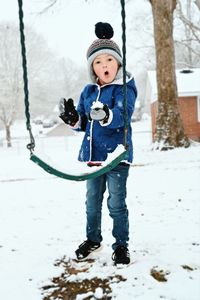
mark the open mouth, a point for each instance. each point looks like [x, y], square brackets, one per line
[106, 73]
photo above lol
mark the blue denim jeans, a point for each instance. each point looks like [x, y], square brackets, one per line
[115, 180]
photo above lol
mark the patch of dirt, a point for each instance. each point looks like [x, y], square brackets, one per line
[63, 287]
[159, 275]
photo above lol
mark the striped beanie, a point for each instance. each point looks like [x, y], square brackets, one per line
[102, 45]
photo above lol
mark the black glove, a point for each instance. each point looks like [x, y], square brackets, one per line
[70, 115]
[100, 114]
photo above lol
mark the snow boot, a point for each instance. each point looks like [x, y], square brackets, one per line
[121, 255]
[86, 248]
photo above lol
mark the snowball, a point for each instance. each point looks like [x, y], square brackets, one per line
[97, 104]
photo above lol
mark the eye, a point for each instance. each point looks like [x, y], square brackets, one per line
[97, 62]
[110, 59]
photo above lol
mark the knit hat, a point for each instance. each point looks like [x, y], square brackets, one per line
[102, 45]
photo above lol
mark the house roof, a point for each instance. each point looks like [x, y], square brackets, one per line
[188, 83]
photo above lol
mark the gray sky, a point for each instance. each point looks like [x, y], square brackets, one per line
[69, 26]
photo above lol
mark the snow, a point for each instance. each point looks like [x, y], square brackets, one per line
[97, 104]
[42, 219]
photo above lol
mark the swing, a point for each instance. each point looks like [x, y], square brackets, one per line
[116, 157]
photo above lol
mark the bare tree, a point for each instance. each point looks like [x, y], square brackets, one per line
[9, 77]
[11, 91]
[169, 127]
[48, 80]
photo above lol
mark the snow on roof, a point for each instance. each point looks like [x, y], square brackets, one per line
[188, 83]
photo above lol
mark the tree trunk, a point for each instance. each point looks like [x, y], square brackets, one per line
[169, 126]
[8, 136]
[197, 2]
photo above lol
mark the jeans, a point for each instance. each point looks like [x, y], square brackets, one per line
[116, 182]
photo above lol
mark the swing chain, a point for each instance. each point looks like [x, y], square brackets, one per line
[31, 145]
[123, 14]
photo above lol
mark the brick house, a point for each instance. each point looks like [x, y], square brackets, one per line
[188, 84]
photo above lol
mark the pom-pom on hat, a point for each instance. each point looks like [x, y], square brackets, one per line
[102, 45]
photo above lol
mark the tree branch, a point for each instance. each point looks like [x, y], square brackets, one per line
[52, 3]
[196, 52]
[184, 19]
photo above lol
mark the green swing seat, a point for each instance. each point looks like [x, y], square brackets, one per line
[91, 172]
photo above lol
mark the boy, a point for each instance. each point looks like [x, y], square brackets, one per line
[100, 113]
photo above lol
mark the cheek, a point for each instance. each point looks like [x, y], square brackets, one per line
[114, 70]
[97, 70]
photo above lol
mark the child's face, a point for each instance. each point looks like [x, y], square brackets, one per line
[105, 67]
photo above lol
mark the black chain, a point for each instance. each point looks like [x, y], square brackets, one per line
[31, 145]
[123, 14]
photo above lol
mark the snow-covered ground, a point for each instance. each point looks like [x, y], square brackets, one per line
[42, 219]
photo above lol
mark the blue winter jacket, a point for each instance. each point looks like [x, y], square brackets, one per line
[100, 140]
